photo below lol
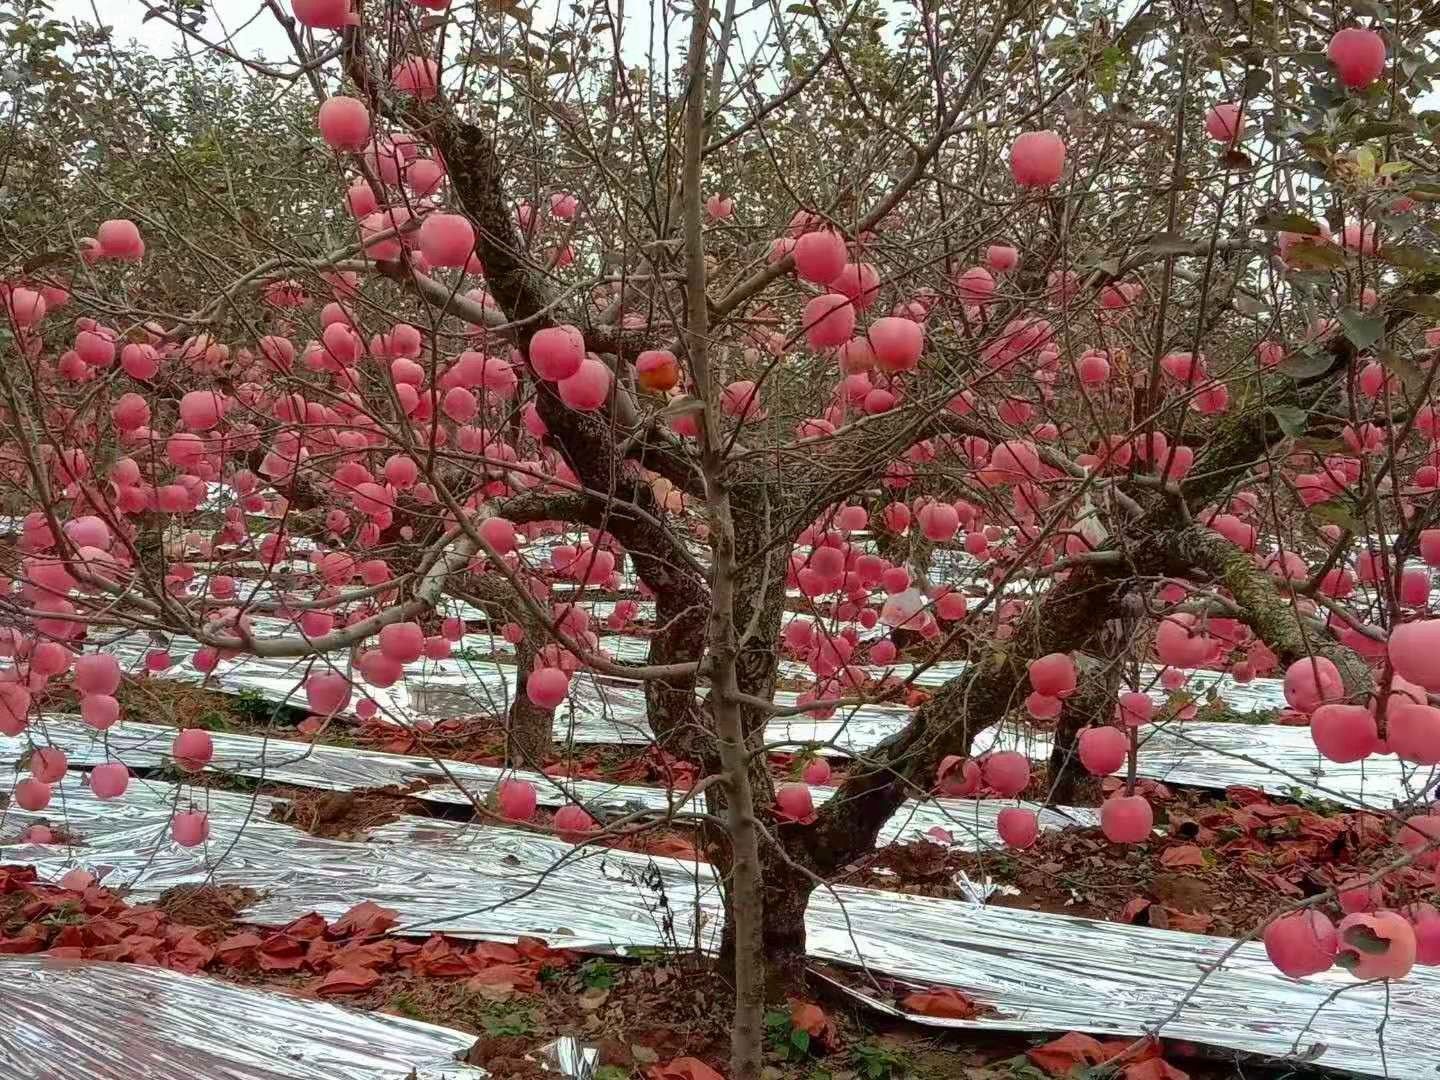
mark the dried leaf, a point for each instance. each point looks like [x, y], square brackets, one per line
[941, 1001]
[683, 1068]
[1182, 855]
[1061, 1056]
[347, 980]
[365, 918]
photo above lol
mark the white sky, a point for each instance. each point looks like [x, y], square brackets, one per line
[256, 35]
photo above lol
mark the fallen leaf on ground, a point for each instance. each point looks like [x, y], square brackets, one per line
[684, 1068]
[1154, 1069]
[347, 980]
[366, 918]
[941, 1001]
[1182, 855]
[1059, 1056]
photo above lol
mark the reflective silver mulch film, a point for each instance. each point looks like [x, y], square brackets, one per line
[1053, 971]
[1272, 757]
[104, 1021]
[1038, 971]
[612, 711]
[441, 876]
[970, 823]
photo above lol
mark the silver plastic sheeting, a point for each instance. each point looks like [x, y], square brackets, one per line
[440, 876]
[1044, 971]
[1039, 971]
[105, 1021]
[970, 823]
[1276, 758]
[1281, 759]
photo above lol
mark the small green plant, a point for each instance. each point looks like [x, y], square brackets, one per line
[783, 1037]
[876, 1062]
[211, 720]
[511, 1022]
[67, 914]
[611, 1072]
[403, 1004]
[597, 974]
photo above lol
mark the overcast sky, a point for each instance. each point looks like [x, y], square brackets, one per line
[261, 34]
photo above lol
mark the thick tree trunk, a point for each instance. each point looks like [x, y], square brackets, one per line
[1092, 703]
[785, 895]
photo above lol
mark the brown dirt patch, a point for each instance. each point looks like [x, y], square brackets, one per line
[205, 907]
[342, 815]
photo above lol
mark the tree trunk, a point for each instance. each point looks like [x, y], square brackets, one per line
[1091, 703]
[785, 894]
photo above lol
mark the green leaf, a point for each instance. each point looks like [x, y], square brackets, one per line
[1291, 418]
[1418, 303]
[1166, 243]
[800, 1039]
[1316, 257]
[1362, 330]
[1334, 513]
[1305, 362]
[1378, 129]
[1408, 257]
[1290, 222]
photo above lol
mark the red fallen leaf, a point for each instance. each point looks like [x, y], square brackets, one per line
[239, 950]
[1059, 1056]
[281, 954]
[372, 954]
[940, 835]
[144, 922]
[189, 955]
[351, 980]
[319, 955]
[807, 1017]
[534, 948]
[941, 1001]
[70, 952]
[673, 847]
[683, 1068]
[116, 951]
[493, 952]
[439, 959]
[16, 878]
[73, 937]
[1245, 796]
[1117, 1051]
[105, 931]
[1133, 909]
[1181, 855]
[1154, 1069]
[513, 976]
[305, 927]
[143, 944]
[365, 918]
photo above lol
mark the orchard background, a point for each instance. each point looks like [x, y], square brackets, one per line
[1087, 344]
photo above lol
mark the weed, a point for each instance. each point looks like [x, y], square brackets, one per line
[788, 1041]
[512, 1022]
[597, 974]
[876, 1062]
